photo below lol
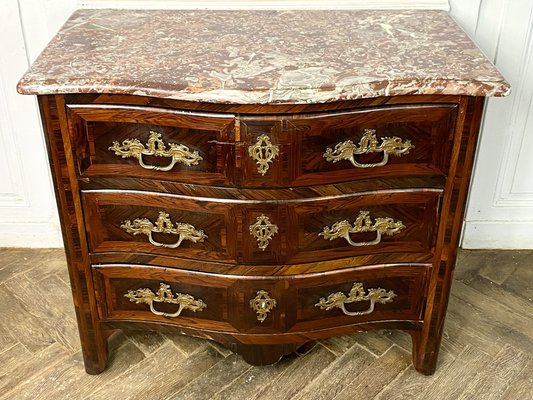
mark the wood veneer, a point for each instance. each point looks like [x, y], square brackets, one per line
[227, 297]
[426, 189]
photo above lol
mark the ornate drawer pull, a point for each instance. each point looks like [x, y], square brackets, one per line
[156, 147]
[368, 144]
[262, 304]
[363, 223]
[357, 293]
[263, 152]
[164, 225]
[263, 231]
[165, 295]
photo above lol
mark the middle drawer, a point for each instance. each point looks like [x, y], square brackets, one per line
[253, 232]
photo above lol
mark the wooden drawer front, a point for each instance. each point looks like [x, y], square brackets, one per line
[225, 300]
[198, 145]
[307, 230]
[405, 284]
[424, 133]
[382, 222]
[212, 235]
[114, 283]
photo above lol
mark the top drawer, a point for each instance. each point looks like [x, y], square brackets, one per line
[152, 143]
[261, 151]
[313, 149]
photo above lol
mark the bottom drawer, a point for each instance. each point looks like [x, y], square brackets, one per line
[363, 294]
[255, 304]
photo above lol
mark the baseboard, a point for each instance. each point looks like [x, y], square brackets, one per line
[30, 234]
[497, 235]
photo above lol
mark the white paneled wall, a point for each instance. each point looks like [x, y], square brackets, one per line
[500, 212]
[500, 209]
[27, 207]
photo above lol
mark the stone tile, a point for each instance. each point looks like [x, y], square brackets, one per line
[187, 344]
[410, 384]
[67, 379]
[376, 342]
[381, 372]
[14, 262]
[331, 380]
[158, 376]
[19, 365]
[494, 377]
[45, 302]
[220, 375]
[23, 325]
[520, 386]
[298, 376]
[465, 368]
[246, 386]
[146, 341]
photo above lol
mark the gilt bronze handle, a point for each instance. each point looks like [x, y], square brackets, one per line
[357, 293]
[178, 153]
[165, 295]
[362, 224]
[368, 144]
[163, 224]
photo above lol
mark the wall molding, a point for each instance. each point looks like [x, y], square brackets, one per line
[505, 194]
[13, 192]
[500, 207]
[28, 215]
[268, 4]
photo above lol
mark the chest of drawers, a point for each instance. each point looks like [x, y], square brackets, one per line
[260, 224]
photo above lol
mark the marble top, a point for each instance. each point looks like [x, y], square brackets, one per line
[248, 57]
